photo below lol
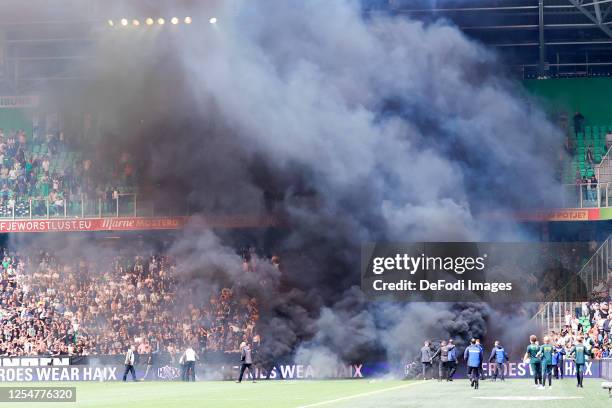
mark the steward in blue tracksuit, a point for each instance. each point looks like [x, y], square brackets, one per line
[473, 357]
[452, 360]
[500, 357]
[558, 357]
[480, 370]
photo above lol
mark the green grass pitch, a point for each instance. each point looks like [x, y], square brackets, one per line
[337, 393]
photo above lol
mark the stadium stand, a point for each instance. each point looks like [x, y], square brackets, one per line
[579, 107]
[42, 177]
[51, 306]
[593, 138]
[591, 319]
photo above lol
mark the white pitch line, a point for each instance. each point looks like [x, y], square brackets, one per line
[534, 398]
[365, 394]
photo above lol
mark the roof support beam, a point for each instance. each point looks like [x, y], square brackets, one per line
[605, 14]
[542, 43]
[591, 17]
[597, 12]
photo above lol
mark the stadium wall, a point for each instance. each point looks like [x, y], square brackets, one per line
[225, 366]
[139, 223]
[16, 119]
[590, 96]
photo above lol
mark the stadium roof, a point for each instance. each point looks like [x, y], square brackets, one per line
[535, 37]
[41, 40]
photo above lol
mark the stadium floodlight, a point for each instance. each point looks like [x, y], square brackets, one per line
[135, 22]
[149, 21]
[174, 20]
[213, 20]
[111, 23]
[161, 21]
[187, 20]
[124, 22]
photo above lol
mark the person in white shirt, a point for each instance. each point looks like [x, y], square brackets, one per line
[188, 360]
[129, 363]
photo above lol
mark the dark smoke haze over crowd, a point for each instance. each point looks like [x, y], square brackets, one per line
[358, 127]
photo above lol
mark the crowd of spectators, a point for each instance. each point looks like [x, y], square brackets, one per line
[46, 170]
[51, 306]
[591, 320]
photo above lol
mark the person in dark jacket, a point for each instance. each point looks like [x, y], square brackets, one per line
[480, 370]
[578, 123]
[473, 357]
[443, 365]
[426, 357]
[558, 357]
[452, 360]
[499, 357]
[246, 359]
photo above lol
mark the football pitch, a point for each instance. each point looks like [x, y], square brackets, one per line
[337, 393]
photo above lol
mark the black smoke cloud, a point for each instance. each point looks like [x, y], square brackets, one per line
[359, 128]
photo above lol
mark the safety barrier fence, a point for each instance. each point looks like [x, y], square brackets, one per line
[595, 272]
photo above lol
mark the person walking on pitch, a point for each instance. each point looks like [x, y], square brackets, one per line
[579, 353]
[499, 357]
[480, 370]
[558, 359]
[188, 359]
[452, 360]
[426, 359]
[246, 359]
[531, 357]
[129, 363]
[442, 354]
[546, 356]
[473, 357]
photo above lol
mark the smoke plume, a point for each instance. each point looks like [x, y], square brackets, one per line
[357, 127]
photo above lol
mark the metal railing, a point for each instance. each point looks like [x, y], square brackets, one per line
[596, 270]
[120, 205]
[603, 170]
[587, 195]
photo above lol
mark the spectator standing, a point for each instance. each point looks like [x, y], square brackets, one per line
[593, 187]
[608, 141]
[589, 158]
[578, 123]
